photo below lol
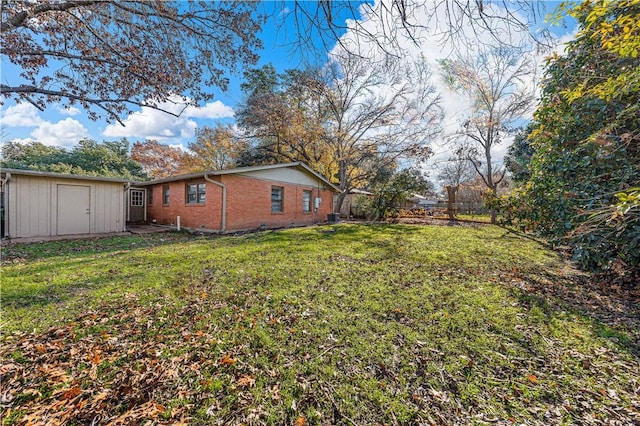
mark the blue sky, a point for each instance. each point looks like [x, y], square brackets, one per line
[64, 127]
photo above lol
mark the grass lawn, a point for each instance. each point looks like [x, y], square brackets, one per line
[344, 324]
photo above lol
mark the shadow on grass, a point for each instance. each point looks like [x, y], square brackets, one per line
[613, 316]
[12, 253]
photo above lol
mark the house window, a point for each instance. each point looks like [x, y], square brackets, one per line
[277, 196]
[137, 198]
[196, 193]
[149, 196]
[165, 194]
[306, 201]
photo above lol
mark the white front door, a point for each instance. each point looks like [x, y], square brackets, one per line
[74, 209]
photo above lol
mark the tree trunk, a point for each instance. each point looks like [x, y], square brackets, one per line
[339, 201]
[493, 188]
[452, 209]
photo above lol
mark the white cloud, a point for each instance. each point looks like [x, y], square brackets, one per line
[150, 123]
[67, 110]
[21, 115]
[66, 132]
[63, 133]
[215, 109]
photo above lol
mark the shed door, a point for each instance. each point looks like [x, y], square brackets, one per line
[74, 209]
[136, 205]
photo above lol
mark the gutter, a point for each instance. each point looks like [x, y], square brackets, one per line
[224, 201]
[125, 211]
[5, 195]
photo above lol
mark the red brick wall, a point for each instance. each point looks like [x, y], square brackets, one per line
[191, 215]
[248, 205]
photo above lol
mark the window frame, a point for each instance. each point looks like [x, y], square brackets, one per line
[137, 198]
[306, 203]
[200, 194]
[166, 195]
[150, 196]
[279, 200]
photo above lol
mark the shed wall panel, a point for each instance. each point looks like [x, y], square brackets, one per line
[29, 207]
[108, 208]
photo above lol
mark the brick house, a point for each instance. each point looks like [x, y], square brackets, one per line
[245, 198]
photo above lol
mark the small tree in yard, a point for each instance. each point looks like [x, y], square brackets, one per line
[390, 188]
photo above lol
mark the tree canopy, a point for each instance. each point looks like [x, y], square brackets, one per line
[159, 160]
[108, 56]
[347, 120]
[388, 26]
[88, 157]
[215, 148]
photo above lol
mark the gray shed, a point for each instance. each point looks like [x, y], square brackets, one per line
[42, 204]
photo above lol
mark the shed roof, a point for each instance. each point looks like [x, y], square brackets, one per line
[39, 173]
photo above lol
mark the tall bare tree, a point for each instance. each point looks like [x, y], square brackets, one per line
[499, 83]
[379, 113]
[108, 56]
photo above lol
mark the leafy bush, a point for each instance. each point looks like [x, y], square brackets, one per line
[610, 236]
[583, 153]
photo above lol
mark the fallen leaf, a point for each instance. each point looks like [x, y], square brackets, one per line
[227, 360]
[95, 358]
[301, 421]
[275, 392]
[72, 393]
[533, 379]
[246, 381]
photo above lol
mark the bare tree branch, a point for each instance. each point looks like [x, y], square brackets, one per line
[111, 55]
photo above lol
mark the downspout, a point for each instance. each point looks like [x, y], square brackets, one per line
[316, 211]
[125, 211]
[224, 201]
[5, 194]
